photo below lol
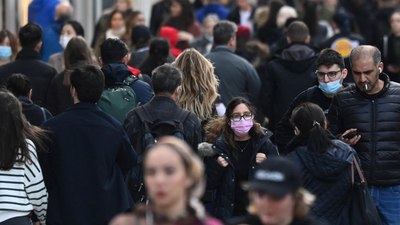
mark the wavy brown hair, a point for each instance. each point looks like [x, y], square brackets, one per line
[199, 83]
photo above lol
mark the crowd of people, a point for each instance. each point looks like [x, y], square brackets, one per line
[218, 112]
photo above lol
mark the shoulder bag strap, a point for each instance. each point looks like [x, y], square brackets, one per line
[44, 114]
[143, 117]
[360, 173]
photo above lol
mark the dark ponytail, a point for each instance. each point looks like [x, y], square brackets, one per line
[310, 120]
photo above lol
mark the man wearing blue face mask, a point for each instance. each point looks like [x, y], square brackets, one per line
[330, 72]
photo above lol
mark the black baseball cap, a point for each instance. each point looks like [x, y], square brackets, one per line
[276, 176]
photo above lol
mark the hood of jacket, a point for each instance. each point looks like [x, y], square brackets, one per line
[115, 73]
[297, 52]
[171, 34]
[328, 166]
[296, 58]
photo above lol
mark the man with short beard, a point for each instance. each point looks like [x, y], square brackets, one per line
[371, 111]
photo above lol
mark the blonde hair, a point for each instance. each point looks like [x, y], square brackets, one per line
[199, 83]
[303, 201]
[194, 168]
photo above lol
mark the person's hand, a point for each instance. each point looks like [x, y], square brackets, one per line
[351, 140]
[123, 219]
[222, 162]
[260, 157]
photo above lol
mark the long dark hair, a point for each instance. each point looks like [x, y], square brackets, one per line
[158, 55]
[76, 53]
[274, 7]
[14, 131]
[310, 119]
[185, 19]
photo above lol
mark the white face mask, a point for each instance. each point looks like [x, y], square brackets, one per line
[64, 39]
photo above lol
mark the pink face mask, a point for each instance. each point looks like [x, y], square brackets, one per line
[241, 128]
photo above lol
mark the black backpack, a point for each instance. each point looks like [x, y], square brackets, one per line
[153, 129]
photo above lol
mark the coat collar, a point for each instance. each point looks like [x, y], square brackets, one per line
[84, 106]
[26, 53]
[222, 48]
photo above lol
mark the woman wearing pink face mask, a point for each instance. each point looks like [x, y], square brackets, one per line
[240, 147]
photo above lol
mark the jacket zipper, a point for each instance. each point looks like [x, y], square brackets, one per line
[373, 139]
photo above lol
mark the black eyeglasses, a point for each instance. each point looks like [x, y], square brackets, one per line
[330, 74]
[246, 116]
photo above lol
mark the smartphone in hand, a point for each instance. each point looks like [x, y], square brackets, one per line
[350, 135]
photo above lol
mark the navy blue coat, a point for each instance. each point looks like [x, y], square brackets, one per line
[221, 180]
[28, 63]
[327, 176]
[89, 156]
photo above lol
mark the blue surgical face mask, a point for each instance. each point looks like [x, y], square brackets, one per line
[331, 87]
[5, 52]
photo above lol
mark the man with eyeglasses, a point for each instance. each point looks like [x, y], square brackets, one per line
[330, 72]
[367, 116]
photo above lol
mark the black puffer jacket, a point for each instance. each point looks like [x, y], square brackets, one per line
[284, 130]
[377, 119]
[328, 176]
[220, 194]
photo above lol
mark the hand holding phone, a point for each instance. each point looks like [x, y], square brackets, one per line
[350, 135]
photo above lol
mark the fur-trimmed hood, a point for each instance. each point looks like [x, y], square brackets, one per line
[206, 149]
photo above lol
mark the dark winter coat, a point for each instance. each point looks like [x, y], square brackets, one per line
[40, 74]
[286, 76]
[116, 73]
[390, 55]
[377, 119]
[162, 108]
[327, 176]
[220, 194]
[237, 76]
[284, 129]
[35, 114]
[84, 169]
[59, 98]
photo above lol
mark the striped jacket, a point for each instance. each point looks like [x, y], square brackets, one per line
[22, 189]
